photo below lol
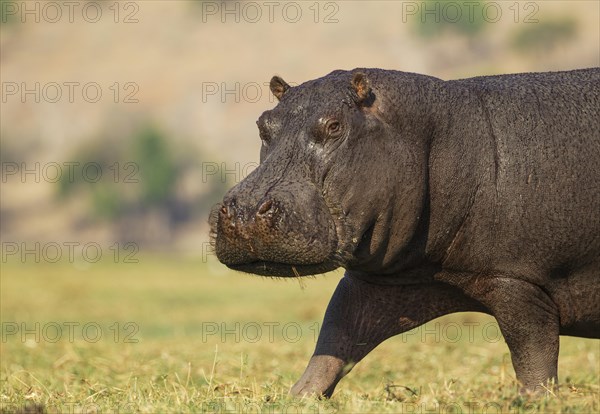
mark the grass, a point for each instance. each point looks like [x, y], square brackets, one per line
[178, 335]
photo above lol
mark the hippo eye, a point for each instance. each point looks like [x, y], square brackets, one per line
[333, 127]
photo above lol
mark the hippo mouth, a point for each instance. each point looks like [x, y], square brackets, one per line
[264, 268]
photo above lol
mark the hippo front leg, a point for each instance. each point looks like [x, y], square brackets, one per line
[361, 315]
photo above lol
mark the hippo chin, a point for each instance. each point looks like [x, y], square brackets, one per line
[436, 196]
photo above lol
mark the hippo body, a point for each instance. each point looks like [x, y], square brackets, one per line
[480, 194]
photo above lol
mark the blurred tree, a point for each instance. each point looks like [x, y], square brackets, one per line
[438, 17]
[142, 183]
[94, 174]
[545, 35]
[157, 169]
[124, 175]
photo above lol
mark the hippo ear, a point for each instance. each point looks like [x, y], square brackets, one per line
[278, 87]
[361, 88]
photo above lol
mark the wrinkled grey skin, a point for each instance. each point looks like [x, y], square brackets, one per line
[437, 197]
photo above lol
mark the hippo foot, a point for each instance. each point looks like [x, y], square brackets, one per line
[320, 377]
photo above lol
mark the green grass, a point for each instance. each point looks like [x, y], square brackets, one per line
[192, 345]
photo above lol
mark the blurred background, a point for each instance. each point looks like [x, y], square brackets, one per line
[124, 122]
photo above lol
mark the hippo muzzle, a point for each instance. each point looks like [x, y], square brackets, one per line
[283, 231]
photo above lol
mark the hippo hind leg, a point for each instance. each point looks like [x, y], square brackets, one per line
[529, 320]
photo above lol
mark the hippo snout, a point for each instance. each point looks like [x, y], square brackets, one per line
[290, 232]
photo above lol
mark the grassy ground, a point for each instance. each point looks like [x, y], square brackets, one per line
[177, 335]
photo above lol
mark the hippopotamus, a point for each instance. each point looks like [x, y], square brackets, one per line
[479, 194]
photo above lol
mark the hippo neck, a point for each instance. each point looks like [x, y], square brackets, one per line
[462, 168]
[394, 232]
[457, 168]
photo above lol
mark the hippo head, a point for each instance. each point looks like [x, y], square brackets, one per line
[323, 194]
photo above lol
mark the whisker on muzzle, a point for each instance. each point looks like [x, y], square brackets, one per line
[213, 220]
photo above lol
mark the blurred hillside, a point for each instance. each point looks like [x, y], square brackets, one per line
[124, 122]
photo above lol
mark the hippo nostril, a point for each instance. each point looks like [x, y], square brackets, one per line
[265, 207]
